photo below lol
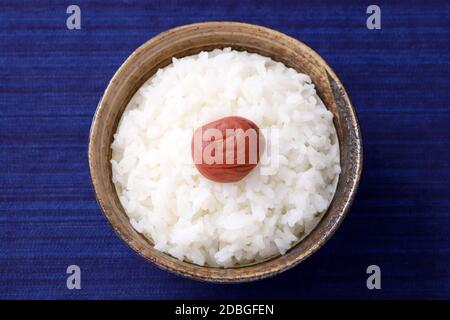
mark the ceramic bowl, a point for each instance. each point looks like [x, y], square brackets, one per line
[191, 39]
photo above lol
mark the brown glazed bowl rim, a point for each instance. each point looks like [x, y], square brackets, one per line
[258, 270]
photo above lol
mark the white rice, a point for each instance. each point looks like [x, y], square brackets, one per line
[204, 222]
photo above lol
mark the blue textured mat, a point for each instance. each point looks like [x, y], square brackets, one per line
[51, 81]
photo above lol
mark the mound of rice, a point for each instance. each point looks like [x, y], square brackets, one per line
[204, 222]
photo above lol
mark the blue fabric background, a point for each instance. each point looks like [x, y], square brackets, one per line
[52, 79]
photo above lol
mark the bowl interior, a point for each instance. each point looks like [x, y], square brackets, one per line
[192, 39]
